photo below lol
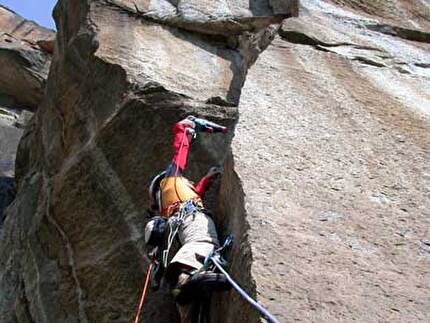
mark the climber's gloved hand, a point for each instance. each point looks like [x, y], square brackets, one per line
[214, 172]
[191, 132]
[188, 122]
[189, 128]
[203, 125]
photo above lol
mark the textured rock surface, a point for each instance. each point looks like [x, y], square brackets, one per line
[24, 60]
[9, 137]
[331, 153]
[23, 72]
[71, 246]
[326, 187]
[219, 17]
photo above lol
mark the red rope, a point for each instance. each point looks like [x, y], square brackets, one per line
[142, 299]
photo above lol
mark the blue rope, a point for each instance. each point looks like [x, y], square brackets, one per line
[266, 315]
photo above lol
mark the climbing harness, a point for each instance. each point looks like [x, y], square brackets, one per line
[186, 209]
[142, 298]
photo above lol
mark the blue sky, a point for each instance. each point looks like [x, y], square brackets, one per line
[39, 11]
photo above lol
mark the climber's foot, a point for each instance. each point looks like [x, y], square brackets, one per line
[199, 284]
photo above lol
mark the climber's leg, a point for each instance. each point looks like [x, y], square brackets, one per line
[198, 237]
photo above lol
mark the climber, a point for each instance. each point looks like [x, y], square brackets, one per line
[179, 205]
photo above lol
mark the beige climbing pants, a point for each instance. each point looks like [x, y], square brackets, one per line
[198, 238]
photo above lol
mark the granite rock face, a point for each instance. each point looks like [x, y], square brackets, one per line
[331, 161]
[24, 63]
[227, 18]
[326, 182]
[122, 73]
[25, 55]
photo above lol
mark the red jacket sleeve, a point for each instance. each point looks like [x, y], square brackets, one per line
[181, 145]
[203, 185]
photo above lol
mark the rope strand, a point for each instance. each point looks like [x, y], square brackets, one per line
[267, 316]
[142, 298]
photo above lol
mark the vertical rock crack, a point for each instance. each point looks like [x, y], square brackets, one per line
[70, 254]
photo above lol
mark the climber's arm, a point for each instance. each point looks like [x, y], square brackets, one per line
[181, 146]
[203, 185]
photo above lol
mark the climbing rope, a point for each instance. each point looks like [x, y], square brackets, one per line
[265, 313]
[175, 223]
[142, 298]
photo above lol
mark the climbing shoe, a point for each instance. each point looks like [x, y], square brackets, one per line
[199, 284]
